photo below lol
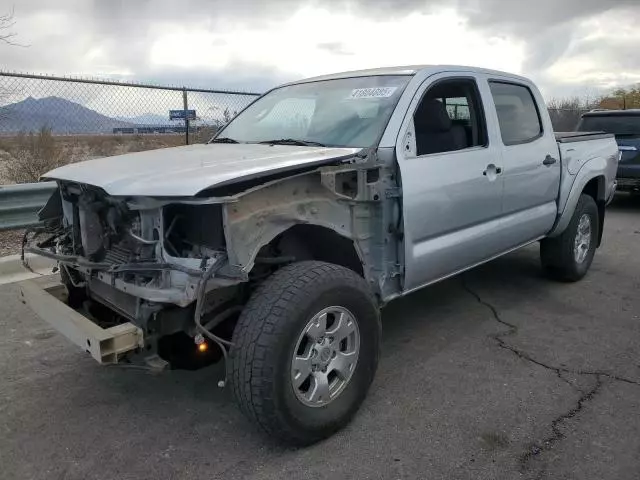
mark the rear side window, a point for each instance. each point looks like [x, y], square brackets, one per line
[517, 113]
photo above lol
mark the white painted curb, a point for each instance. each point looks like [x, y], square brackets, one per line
[12, 270]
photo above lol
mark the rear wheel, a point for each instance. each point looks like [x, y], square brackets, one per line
[305, 351]
[569, 256]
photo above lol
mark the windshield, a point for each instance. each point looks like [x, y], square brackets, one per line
[348, 112]
[616, 124]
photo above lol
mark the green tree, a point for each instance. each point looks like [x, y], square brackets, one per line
[623, 98]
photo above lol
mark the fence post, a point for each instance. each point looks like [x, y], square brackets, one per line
[185, 106]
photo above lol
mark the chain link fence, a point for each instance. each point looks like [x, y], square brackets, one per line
[49, 121]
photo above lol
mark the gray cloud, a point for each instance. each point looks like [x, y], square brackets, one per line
[124, 31]
[120, 16]
[530, 16]
[337, 48]
[245, 78]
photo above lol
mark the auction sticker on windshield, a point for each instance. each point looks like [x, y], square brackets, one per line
[376, 92]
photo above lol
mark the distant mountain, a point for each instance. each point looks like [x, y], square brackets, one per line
[146, 119]
[60, 115]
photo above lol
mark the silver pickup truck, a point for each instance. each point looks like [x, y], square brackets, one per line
[276, 244]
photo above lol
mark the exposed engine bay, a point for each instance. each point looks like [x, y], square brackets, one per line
[180, 268]
[155, 252]
[139, 260]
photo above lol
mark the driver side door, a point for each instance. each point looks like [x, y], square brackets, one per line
[452, 184]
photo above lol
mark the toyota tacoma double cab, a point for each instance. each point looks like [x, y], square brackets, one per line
[274, 245]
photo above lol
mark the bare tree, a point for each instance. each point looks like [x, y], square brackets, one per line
[566, 112]
[7, 22]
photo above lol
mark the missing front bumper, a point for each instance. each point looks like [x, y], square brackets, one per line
[107, 346]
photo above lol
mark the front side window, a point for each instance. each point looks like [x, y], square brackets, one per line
[450, 117]
[517, 113]
[347, 112]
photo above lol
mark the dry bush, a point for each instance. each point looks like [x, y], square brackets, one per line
[103, 147]
[203, 134]
[25, 157]
[140, 143]
[31, 155]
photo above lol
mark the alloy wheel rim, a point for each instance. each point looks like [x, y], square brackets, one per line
[325, 356]
[582, 240]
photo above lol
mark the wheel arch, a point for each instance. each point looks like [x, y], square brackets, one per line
[596, 188]
[589, 180]
[321, 243]
[300, 218]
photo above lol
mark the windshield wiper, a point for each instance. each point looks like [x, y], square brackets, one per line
[293, 141]
[224, 140]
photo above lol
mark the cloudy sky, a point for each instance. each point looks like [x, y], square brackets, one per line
[567, 46]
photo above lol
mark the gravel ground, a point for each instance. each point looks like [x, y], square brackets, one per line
[498, 374]
[10, 242]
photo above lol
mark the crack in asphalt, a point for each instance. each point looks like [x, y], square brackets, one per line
[569, 382]
[556, 434]
[537, 448]
[512, 329]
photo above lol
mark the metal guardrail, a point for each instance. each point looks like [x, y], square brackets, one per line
[19, 204]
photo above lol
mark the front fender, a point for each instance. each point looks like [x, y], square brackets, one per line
[259, 216]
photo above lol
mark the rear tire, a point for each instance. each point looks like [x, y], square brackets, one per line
[568, 256]
[280, 327]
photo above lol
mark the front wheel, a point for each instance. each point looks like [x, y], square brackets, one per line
[305, 351]
[568, 256]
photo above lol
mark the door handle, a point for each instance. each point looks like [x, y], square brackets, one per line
[549, 160]
[491, 168]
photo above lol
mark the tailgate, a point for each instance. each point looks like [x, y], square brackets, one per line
[106, 345]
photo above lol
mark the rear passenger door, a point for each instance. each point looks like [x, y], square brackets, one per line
[531, 163]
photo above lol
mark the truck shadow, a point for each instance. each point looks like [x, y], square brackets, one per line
[625, 202]
[514, 277]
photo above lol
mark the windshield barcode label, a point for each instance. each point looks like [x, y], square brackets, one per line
[377, 92]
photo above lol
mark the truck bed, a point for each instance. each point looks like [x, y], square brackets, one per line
[578, 148]
[570, 137]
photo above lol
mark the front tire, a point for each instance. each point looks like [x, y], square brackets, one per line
[568, 256]
[305, 351]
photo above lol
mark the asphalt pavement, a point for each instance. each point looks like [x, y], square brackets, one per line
[496, 374]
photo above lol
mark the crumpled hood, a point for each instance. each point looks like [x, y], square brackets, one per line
[185, 171]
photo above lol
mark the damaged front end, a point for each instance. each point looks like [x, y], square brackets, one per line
[141, 260]
[181, 268]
